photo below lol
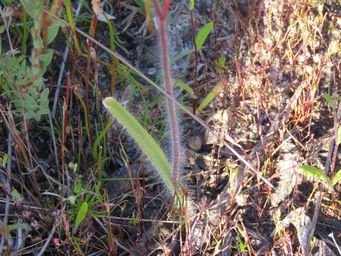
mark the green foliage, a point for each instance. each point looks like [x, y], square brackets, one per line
[221, 61]
[316, 173]
[336, 178]
[203, 34]
[213, 93]
[67, 5]
[140, 3]
[15, 194]
[19, 78]
[7, 2]
[4, 159]
[143, 139]
[96, 146]
[332, 100]
[83, 210]
[24, 84]
[134, 220]
[242, 246]
[78, 187]
[191, 4]
[52, 30]
[181, 55]
[199, 41]
[184, 86]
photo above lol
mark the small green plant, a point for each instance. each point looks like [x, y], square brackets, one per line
[200, 39]
[316, 173]
[26, 84]
[83, 201]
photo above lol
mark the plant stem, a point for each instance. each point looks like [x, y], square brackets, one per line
[170, 105]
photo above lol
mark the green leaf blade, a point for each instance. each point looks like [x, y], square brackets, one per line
[191, 4]
[143, 139]
[181, 55]
[336, 178]
[203, 34]
[83, 210]
[184, 86]
[314, 172]
[212, 94]
[52, 31]
[28, 7]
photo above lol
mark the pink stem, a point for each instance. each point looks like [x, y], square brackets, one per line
[170, 104]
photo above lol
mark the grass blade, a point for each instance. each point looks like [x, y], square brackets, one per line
[143, 139]
[181, 55]
[210, 96]
[184, 86]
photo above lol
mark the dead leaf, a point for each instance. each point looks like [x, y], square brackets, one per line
[96, 6]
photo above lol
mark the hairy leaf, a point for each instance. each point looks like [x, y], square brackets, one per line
[143, 139]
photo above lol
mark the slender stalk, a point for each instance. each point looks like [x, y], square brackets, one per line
[170, 105]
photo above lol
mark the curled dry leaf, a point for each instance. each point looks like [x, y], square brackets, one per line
[96, 6]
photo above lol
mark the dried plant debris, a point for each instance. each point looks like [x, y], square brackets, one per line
[287, 171]
[304, 226]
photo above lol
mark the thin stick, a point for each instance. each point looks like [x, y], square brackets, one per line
[49, 238]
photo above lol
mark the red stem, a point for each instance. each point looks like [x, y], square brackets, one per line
[162, 14]
[65, 116]
[170, 104]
